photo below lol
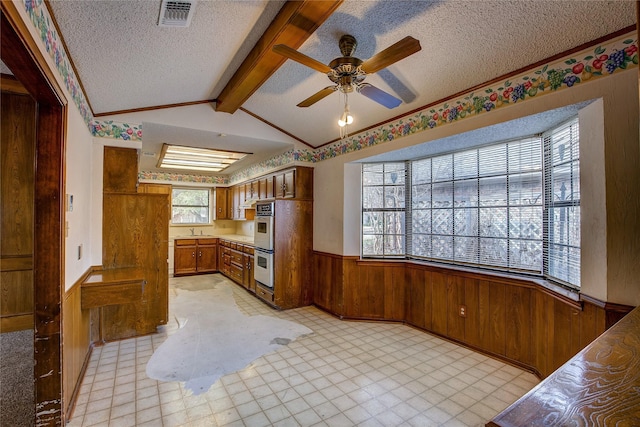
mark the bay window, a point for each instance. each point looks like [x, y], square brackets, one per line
[512, 206]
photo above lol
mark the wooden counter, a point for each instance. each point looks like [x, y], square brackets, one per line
[112, 287]
[598, 386]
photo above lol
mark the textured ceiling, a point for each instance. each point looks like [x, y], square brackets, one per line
[126, 61]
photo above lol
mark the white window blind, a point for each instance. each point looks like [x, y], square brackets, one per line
[481, 206]
[562, 199]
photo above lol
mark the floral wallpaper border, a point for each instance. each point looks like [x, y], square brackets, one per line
[590, 64]
[41, 20]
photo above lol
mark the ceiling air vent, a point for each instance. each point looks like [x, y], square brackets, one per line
[176, 13]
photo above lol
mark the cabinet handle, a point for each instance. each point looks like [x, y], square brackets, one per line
[200, 254]
[193, 255]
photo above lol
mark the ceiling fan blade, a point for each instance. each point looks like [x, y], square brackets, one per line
[318, 96]
[303, 59]
[394, 53]
[378, 95]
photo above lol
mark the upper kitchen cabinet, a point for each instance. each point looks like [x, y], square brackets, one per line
[223, 210]
[265, 188]
[296, 183]
[120, 173]
[251, 190]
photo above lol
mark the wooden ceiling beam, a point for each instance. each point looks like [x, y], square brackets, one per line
[293, 25]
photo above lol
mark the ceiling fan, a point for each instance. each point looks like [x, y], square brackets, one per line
[348, 72]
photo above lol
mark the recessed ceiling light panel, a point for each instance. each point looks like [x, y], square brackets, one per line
[199, 159]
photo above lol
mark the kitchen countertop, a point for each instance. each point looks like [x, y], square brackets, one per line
[238, 238]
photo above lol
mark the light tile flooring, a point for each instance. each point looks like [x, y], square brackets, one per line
[344, 374]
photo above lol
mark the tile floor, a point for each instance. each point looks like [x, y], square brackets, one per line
[344, 374]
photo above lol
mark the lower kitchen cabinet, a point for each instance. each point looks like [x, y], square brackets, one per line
[207, 256]
[237, 263]
[195, 256]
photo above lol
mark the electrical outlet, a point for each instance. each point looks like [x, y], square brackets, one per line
[463, 311]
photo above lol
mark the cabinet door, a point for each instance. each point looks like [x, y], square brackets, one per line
[251, 190]
[286, 185]
[222, 197]
[120, 174]
[249, 281]
[184, 259]
[238, 200]
[207, 258]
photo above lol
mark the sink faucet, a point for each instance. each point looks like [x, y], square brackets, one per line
[192, 232]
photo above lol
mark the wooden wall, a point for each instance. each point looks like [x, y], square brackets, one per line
[16, 207]
[515, 320]
[76, 344]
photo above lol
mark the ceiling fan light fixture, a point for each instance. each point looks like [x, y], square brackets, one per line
[345, 119]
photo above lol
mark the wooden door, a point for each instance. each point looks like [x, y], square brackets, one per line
[184, 259]
[18, 137]
[289, 190]
[222, 198]
[207, 258]
[120, 173]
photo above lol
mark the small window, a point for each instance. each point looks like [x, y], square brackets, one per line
[190, 206]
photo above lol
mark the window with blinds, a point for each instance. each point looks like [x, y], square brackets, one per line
[481, 206]
[562, 195]
[512, 206]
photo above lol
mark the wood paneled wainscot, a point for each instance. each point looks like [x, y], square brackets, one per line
[517, 320]
[598, 386]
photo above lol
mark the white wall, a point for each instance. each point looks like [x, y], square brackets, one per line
[611, 208]
[79, 170]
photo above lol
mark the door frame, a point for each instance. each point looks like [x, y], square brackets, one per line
[21, 54]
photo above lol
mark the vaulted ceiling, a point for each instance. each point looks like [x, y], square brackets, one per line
[127, 63]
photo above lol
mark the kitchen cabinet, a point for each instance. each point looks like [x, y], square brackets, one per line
[195, 256]
[248, 262]
[120, 173]
[286, 185]
[135, 234]
[184, 257]
[223, 210]
[251, 190]
[237, 263]
[238, 200]
[207, 256]
[265, 188]
[296, 183]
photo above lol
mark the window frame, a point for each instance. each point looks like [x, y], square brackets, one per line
[209, 206]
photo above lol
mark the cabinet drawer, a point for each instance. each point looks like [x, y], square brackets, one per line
[185, 242]
[233, 245]
[207, 241]
[236, 273]
[236, 257]
[264, 294]
[249, 250]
